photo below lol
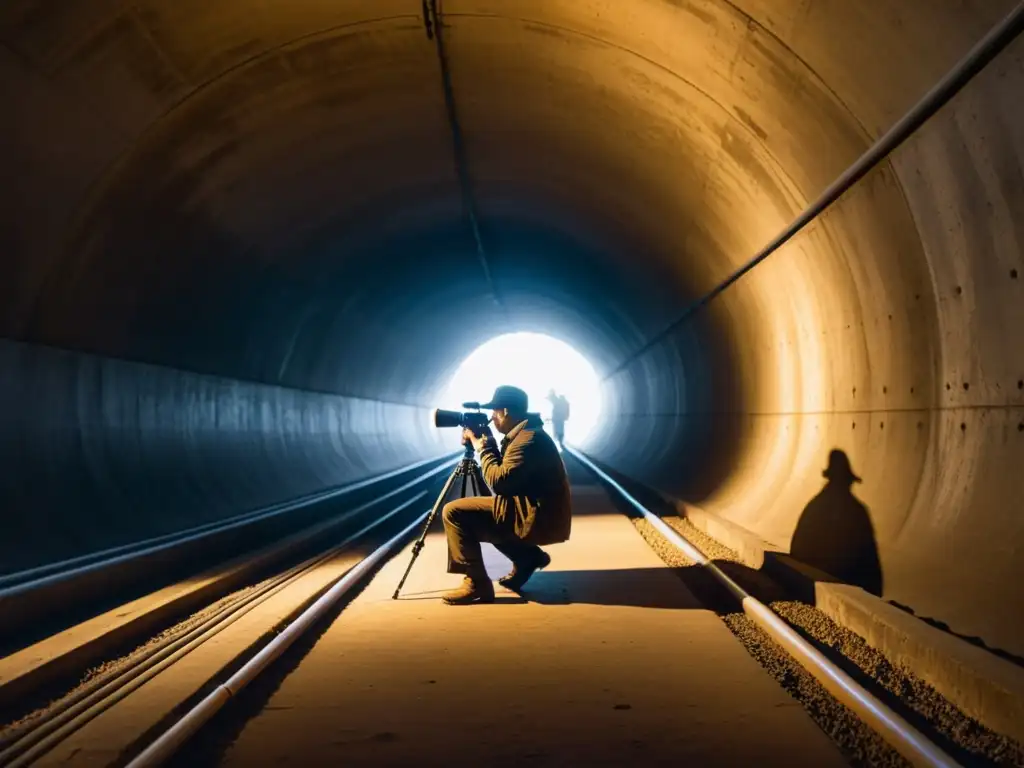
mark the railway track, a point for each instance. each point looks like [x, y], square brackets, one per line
[26, 744]
[903, 737]
[242, 588]
[37, 595]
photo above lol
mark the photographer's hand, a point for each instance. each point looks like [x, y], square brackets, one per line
[478, 441]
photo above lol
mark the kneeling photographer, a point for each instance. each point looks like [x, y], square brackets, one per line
[531, 505]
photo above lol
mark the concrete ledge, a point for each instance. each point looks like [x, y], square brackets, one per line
[982, 685]
[750, 548]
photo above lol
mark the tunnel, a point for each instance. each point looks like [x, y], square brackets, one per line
[245, 245]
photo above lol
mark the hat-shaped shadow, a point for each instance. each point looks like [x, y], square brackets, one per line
[835, 533]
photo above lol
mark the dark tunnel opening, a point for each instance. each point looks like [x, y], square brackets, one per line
[320, 332]
[236, 261]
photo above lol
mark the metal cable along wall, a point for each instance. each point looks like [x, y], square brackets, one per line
[990, 46]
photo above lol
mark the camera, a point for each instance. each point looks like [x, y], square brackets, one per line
[472, 420]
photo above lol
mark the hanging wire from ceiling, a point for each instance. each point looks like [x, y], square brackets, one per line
[432, 19]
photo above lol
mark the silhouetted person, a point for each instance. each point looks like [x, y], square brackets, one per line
[531, 503]
[834, 532]
[559, 414]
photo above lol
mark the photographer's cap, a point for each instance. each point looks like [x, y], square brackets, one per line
[512, 398]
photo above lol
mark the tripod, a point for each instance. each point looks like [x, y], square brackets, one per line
[472, 480]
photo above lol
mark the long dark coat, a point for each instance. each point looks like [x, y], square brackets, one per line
[529, 483]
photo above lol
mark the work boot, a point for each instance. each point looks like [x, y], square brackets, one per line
[473, 590]
[520, 573]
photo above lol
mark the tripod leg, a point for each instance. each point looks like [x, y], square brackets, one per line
[430, 521]
[479, 484]
[474, 487]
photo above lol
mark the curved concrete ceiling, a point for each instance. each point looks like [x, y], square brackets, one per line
[267, 193]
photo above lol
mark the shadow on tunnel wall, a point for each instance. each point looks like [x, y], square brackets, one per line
[834, 532]
[835, 535]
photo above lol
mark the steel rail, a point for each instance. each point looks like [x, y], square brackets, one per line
[174, 737]
[990, 46]
[38, 738]
[900, 734]
[13, 584]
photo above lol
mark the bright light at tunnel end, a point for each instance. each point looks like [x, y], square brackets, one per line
[536, 363]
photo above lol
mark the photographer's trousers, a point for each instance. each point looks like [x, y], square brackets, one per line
[470, 521]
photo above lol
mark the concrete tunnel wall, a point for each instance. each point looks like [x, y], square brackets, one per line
[106, 452]
[267, 197]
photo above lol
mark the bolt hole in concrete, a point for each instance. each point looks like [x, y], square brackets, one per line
[963, 427]
[885, 390]
[966, 386]
[1020, 383]
[1013, 274]
[959, 290]
[557, 366]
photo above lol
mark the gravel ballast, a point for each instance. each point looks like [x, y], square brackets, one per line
[963, 737]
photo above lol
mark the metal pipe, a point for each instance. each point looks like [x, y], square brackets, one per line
[172, 739]
[903, 737]
[976, 59]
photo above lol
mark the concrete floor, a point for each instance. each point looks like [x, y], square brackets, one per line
[610, 660]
